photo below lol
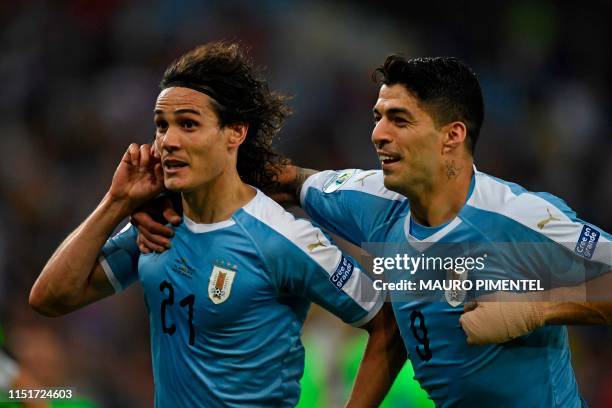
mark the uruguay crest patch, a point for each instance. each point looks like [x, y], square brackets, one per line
[220, 284]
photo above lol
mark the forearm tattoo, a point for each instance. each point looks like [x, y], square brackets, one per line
[300, 178]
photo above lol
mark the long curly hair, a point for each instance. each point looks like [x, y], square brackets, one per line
[239, 94]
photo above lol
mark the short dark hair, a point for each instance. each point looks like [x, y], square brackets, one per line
[239, 94]
[446, 89]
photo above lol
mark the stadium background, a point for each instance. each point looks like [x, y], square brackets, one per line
[79, 78]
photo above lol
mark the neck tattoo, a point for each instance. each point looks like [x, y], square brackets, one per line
[452, 171]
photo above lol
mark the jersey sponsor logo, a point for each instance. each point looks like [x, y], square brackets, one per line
[587, 242]
[220, 284]
[337, 180]
[315, 245]
[343, 273]
[183, 268]
[545, 221]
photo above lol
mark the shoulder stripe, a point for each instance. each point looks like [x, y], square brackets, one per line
[313, 243]
[552, 220]
[365, 181]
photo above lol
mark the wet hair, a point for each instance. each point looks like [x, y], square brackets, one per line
[446, 89]
[240, 95]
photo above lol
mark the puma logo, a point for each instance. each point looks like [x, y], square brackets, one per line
[550, 218]
[317, 244]
[365, 176]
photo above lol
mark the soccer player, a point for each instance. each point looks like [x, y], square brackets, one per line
[428, 194]
[227, 302]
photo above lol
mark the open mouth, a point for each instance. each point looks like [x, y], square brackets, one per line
[385, 159]
[172, 164]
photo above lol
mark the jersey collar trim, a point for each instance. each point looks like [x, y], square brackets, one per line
[422, 245]
[438, 235]
[202, 228]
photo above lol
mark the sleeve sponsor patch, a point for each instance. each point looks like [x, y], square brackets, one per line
[343, 272]
[337, 180]
[587, 242]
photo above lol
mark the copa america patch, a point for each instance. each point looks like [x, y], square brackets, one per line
[343, 272]
[587, 242]
[337, 180]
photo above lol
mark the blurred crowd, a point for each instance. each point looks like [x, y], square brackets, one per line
[79, 80]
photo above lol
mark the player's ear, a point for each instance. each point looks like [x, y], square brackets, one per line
[236, 133]
[454, 136]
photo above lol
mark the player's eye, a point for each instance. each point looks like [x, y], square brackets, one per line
[188, 124]
[161, 125]
[400, 122]
[376, 119]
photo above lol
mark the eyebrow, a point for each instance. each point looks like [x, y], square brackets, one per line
[395, 111]
[178, 111]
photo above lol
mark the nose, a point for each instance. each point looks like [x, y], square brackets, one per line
[381, 134]
[170, 140]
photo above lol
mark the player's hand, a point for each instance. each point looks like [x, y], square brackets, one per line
[488, 321]
[152, 234]
[138, 178]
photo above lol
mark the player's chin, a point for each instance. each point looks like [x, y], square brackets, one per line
[395, 184]
[390, 180]
[387, 175]
[174, 185]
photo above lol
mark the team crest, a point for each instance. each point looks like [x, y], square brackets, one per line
[220, 284]
[455, 297]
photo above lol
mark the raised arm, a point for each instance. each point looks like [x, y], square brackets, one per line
[73, 277]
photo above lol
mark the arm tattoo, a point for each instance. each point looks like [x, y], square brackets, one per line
[300, 178]
[452, 171]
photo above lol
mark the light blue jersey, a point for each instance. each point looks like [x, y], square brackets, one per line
[227, 302]
[530, 371]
